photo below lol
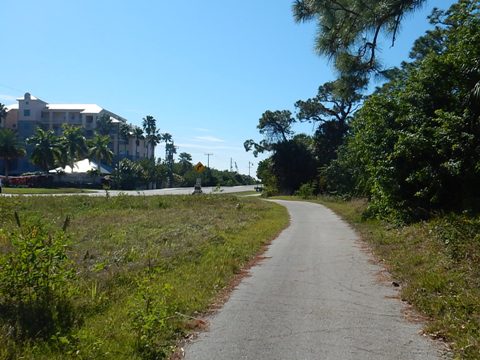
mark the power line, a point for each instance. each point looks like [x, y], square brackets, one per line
[11, 88]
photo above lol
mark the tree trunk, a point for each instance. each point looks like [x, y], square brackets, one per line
[5, 166]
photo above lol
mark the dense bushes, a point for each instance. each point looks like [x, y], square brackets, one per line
[413, 147]
[35, 290]
[129, 175]
[415, 143]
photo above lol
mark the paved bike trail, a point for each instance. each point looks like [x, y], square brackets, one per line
[316, 296]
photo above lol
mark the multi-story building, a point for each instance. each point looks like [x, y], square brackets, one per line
[32, 112]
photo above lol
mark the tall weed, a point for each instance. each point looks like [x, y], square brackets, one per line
[153, 317]
[35, 290]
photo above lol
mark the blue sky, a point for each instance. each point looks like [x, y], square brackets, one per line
[206, 70]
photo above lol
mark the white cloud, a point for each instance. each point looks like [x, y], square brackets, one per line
[209, 138]
[202, 130]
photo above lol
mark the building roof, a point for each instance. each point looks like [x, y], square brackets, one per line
[82, 166]
[12, 107]
[84, 108]
[31, 97]
[115, 121]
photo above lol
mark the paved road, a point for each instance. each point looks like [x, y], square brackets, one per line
[316, 296]
[185, 190]
[169, 191]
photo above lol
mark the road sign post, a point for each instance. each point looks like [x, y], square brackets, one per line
[199, 168]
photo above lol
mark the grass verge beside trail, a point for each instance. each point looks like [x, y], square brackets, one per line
[145, 267]
[7, 190]
[437, 263]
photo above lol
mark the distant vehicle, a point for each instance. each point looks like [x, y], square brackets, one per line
[258, 188]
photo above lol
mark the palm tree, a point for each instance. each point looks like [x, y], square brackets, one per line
[74, 144]
[168, 145]
[124, 132]
[104, 125]
[167, 137]
[47, 149]
[153, 135]
[3, 113]
[149, 124]
[10, 148]
[138, 133]
[170, 150]
[185, 161]
[98, 149]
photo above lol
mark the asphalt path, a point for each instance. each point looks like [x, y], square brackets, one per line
[317, 295]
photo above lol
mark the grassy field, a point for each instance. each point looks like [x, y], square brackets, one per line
[7, 190]
[437, 264]
[144, 268]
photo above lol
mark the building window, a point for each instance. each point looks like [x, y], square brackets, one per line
[26, 112]
[89, 119]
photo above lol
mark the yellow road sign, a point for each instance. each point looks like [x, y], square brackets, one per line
[199, 167]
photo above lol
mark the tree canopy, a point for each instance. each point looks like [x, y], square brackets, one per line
[74, 145]
[99, 150]
[349, 31]
[104, 124]
[10, 148]
[291, 162]
[152, 134]
[47, 150]
[415, 144]
[3, 113]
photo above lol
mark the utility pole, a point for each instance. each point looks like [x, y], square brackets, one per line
[249, 165]
[208, 159]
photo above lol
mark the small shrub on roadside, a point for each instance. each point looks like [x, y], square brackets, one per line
[153, 316]
[35, 294]
[269, 191]
[461, 236]
[306, 191]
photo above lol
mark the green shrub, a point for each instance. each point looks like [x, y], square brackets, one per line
[35, 293]
[306, 191]
[153, 316]
[269, 191]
